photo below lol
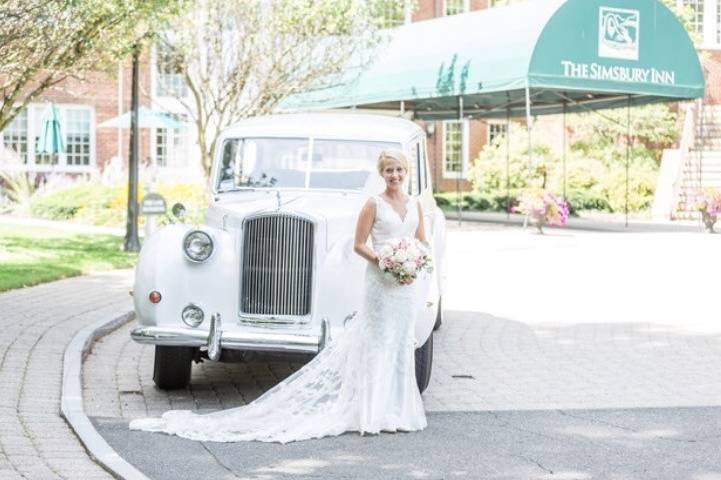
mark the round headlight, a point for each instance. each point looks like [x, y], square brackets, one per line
[198, 245]
[192, 315]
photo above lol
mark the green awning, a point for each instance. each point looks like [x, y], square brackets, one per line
[586, 54]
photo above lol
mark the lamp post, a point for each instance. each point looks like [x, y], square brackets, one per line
[132, 242]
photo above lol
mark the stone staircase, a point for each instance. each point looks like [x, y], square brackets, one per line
[701, 164]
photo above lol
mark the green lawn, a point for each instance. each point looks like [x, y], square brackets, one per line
[32, 255]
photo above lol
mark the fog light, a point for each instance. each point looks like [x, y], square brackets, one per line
[155, 297]
[192, 315]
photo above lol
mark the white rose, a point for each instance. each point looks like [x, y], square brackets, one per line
[386, 251]
[400, 256]
[413, 254]
[409, 267]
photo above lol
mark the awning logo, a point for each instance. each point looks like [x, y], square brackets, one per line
[618, 33]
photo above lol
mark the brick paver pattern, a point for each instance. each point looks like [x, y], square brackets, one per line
[566, 320]
[36, 326]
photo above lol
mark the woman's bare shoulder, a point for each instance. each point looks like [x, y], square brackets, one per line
[369, 207]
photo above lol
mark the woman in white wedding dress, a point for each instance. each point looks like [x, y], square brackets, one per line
[362, 381]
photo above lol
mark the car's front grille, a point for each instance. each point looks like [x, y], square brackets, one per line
[277, 265]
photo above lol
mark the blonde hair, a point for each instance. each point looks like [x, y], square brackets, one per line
[391, 154]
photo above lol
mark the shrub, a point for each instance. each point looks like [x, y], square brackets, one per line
[441, 200]
[579, 200]
[106, 205]
[66, 203]
[193, 196]
[592, 182]
[474, 201]
[488, 172]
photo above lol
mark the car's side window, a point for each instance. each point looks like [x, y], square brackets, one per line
[412, 177]
[417, 164]
[422, 164]
[227, 166]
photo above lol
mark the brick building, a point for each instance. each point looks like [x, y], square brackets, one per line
[94, 150]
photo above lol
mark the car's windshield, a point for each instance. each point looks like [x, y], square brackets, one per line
[298, 163]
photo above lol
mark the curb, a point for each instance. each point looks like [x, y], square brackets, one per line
[591, 225]
[71, 399]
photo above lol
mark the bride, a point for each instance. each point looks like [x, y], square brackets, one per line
[364, 380]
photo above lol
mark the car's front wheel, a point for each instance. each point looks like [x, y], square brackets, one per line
[424, 363]
[172, 366]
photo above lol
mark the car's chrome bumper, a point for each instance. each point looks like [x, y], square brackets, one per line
[233, 340]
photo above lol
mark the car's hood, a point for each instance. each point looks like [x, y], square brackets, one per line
[337, 211]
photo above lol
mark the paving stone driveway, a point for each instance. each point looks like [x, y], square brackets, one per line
[36, 326]
[567, 320]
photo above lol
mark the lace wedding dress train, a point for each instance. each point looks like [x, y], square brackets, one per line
[363, 380]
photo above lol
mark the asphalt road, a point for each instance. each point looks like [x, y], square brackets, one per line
[643, 444]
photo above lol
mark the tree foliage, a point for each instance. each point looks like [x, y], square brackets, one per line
[242, 58]
[603, 134]
[43, 42]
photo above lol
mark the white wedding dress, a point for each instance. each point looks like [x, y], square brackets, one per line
[363, 380]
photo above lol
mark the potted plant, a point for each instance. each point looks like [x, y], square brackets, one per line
[543, 208]
[708, 202]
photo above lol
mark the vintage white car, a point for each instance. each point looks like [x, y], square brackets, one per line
[272, 268]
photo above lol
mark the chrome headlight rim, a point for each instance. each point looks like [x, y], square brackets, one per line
[196, 307]
[203, 233]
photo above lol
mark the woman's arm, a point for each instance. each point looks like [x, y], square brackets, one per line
[421, 231]
[363, 229]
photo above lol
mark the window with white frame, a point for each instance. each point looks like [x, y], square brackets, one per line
[496, 130]
[395, 14]
[698, 14]
[15, 136]
[161, 147]
[455, 148]
[171, 145]
[705, 20]
[169, 73]
[454, 7]
[76, 125]
[77, 136]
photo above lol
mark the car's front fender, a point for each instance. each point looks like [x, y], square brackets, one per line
[163, 267]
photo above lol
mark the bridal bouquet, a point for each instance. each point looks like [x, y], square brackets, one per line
[403, 259]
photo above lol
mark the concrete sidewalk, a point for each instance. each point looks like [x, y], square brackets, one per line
[36, 326]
